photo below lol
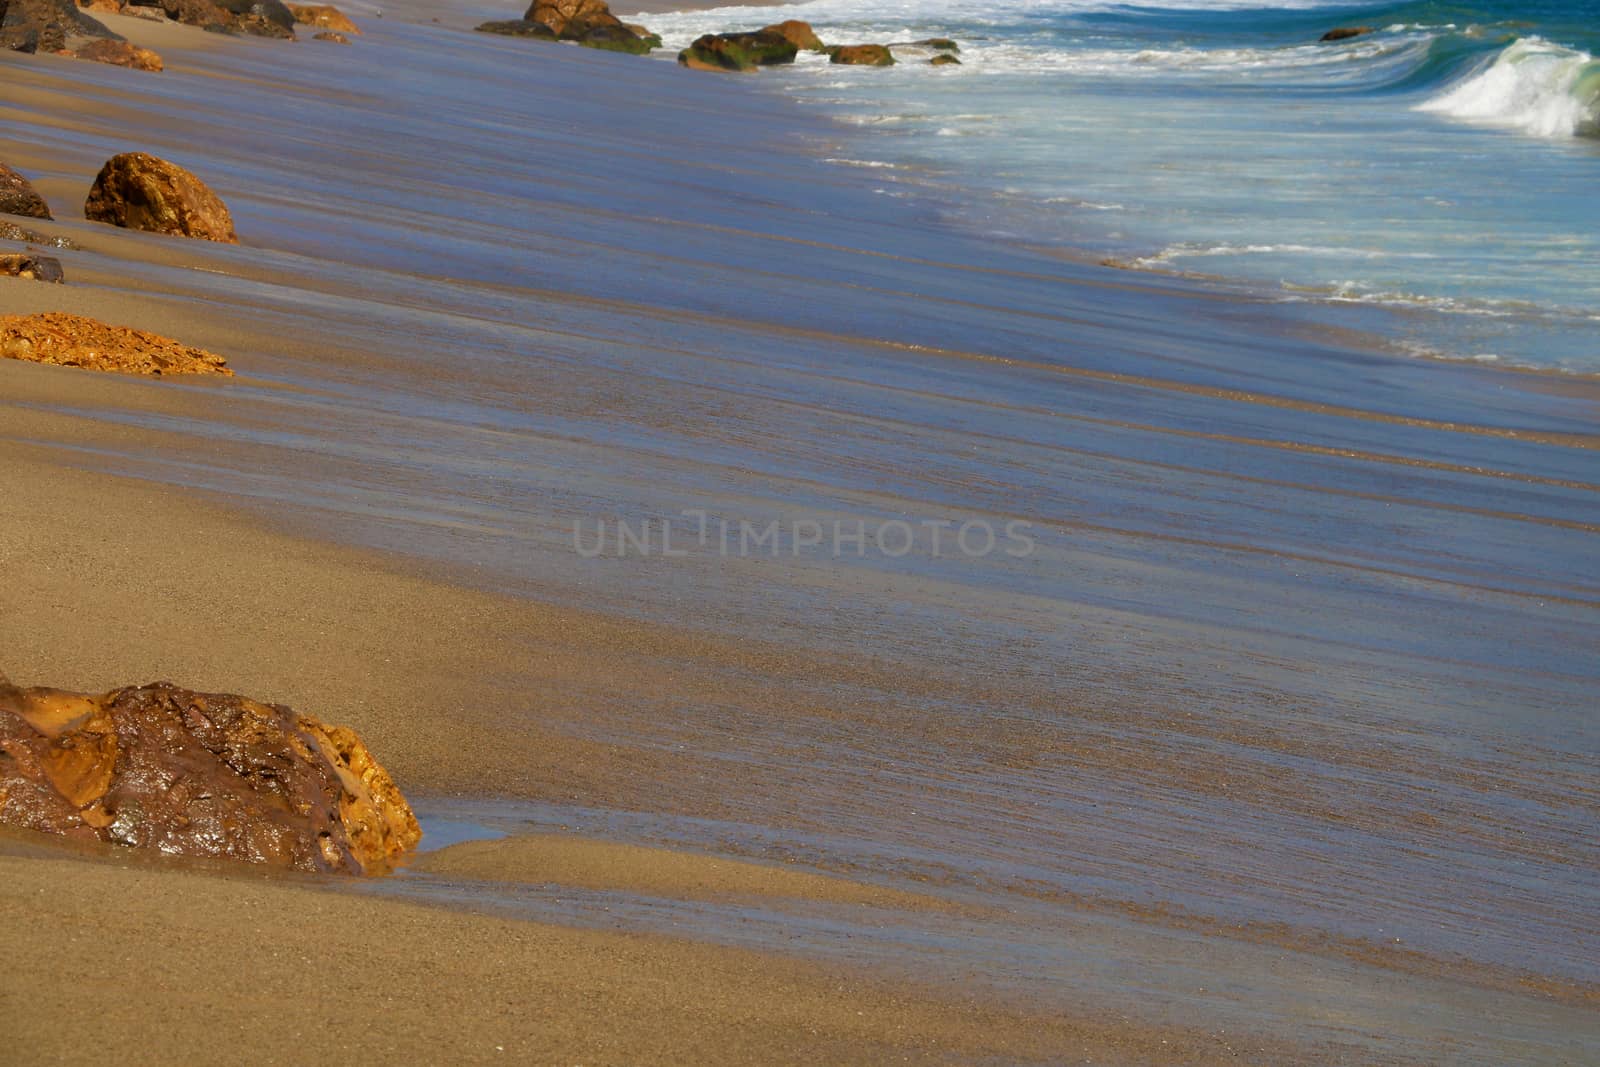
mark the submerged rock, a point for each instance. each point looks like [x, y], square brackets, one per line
[137, 191]
[198, 774]
[74, 341]
[742, 52]
[862, 55]
[120, 54]
[17, 196]
[1344, 33]
[939, 44]
[46, 25]
[323, 17]
[800, 34]
[944, 60]
[518, 28]
[331, 35]
[30, 265]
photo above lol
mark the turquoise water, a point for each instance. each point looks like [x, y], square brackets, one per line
[1446, 164]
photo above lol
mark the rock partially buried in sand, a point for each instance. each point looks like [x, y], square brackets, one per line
[331, 35]
[739, 52]
[323, 17]
[74, 341]
[862, 55]
[28, 265]
[17, 196]
[45, 25]
[1344, 33]
[120, 54]
[198, 774]
[137, 191]
[800, 34]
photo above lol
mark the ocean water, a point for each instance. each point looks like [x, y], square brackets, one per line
[1446, 165]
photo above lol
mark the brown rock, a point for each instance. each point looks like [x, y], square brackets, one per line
[1344, 33]
[797, 33]
[74, 341]
[198, 774]
[264, 18]
[518, 28]
[45, 25]
[10, 231]
[103, 7]
[944, 59]
[31, 265]
[120, 54]
[137, 191]
[324, 17]
[862, 55]
[741, 52]
[17, 196]
[331, 35]
[571, 19]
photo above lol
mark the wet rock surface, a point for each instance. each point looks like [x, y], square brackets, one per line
[17, 196]
[1344, 33]
[323, 17]
[862, 55]
[198, 774]
[63, 340]
[137, 191]
[586, 22]
[120, 54]
[30, 265]
[798, 33]
[742, 52]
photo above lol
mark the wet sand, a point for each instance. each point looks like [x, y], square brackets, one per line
[1285, 731]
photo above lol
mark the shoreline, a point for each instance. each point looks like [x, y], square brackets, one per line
[763, 731]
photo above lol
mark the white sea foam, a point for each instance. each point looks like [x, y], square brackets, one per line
[1531, 85]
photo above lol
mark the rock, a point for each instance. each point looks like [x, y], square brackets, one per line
[331, 35]
[198, 774]
[1344, 33]
[17, 196]
[12, 232]
[323, 17]
[570, 19]
[519, 28]
[617, 38]
[120, 54]
[862, 55]
[644, 34]
[263, 18]
[29, 265]
[742, 52]
[62, 340]
[797, 33]
[944, 60]
[939, 44]
[103, 7]
[45, 25]
[140, 192]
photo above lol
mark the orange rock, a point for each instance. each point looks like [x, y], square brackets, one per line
[331, 35]
[137, 191]
[120, 54]
[198, 774]
[324, 16]
[800, 34]
[74, 341]
[17, 196]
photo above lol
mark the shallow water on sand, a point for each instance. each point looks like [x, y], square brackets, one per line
[1302, 654]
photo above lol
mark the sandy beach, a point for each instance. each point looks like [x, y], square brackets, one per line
[1277, 746]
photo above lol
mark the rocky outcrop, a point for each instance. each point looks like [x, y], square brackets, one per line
[120, 54]
[741, 52]
[944, 59]
[46, 25]
[800, 34]
[331, 35]
[323, 17]
[137, 191]
[1344, 33]
[17, 196]
[862, 55]
[33, 266]
[198, 774]
[263, 18]
[74, 341]
[586, 22]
